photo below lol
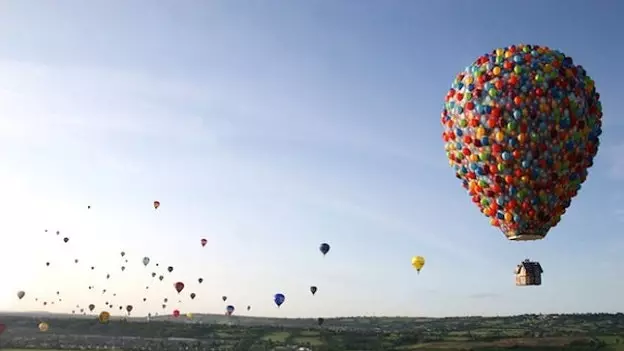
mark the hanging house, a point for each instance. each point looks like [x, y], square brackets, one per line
[528, 273]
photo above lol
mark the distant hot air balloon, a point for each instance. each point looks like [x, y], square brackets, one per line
[320, 320]
[161, 278]
[418, 262]
[76, 260]
[279, 299]
[200, 280]
[91, 307]
[43, 326]
[156, 204]
[179, 286]
[129, 308]
[176, 313]
[123, 268]
[153, 274]
[249, 308]
[104, 317]
[170, 269]
[123, 253]
[189, 315]
[88, 207]
[324, 248]
[66, 239]
[21, 294]
[146, 261]
[229, 310]
[193, 296]
[204, 242]
[313, 289]
[224, 298]
[165, 300]
[47, 264]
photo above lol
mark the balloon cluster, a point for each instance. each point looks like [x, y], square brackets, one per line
[521, 128]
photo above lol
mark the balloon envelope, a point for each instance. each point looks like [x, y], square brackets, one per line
[521, 128]
[324, 248]
[279, 299]
[418, 262]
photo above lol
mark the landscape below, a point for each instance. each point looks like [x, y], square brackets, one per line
[215, 332]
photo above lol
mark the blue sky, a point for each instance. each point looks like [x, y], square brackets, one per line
[268, 128]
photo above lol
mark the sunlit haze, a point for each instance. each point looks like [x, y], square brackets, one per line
[269, 127]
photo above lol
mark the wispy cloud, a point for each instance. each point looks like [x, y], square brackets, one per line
[485, 296]
[41, 101]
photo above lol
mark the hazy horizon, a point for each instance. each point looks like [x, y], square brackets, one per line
[269, 128]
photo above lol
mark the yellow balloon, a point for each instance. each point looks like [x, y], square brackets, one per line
[418, 262]
[104, 317]
[43, 326]
[189, 315]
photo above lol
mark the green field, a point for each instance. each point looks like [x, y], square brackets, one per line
[527, 332]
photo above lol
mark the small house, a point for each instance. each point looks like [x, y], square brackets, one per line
[528, 273]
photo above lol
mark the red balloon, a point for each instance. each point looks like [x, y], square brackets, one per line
[204, 242]
[179, 286]
[2, 328]
[176, 313]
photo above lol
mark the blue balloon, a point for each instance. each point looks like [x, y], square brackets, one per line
[230, 309]
[324, 248]
[279, 299]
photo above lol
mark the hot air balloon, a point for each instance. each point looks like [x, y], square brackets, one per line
[88, 207]
[65, 239]
[320, 321]
[104, 317]
[43, 327]
[76, 260]
[58, 232]
[146, 261]
[123, 268]
[161, 278]
[165, 300]
[47, 264]
[189, 315]
[163, 306]
[313, 289]
[224, 298]
[324, 248]
[156, 204]
[21, 294]
[193, 296]
[170, 269]
[248, 308]
[179, 286]
[279, 299]
[229, 310]
[153, 274]
[123, 253]
[176, 313]
[521, 129]
[129, 308]
[91, 307]
[418, 262]
[204, 242]
[200, 280]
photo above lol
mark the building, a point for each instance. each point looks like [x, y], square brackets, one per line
[528, 273]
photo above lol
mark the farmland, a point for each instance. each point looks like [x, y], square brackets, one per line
[212, 332]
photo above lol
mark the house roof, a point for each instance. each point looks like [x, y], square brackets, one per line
[530, 267]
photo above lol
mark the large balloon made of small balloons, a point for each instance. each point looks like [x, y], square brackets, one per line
[521, 127]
